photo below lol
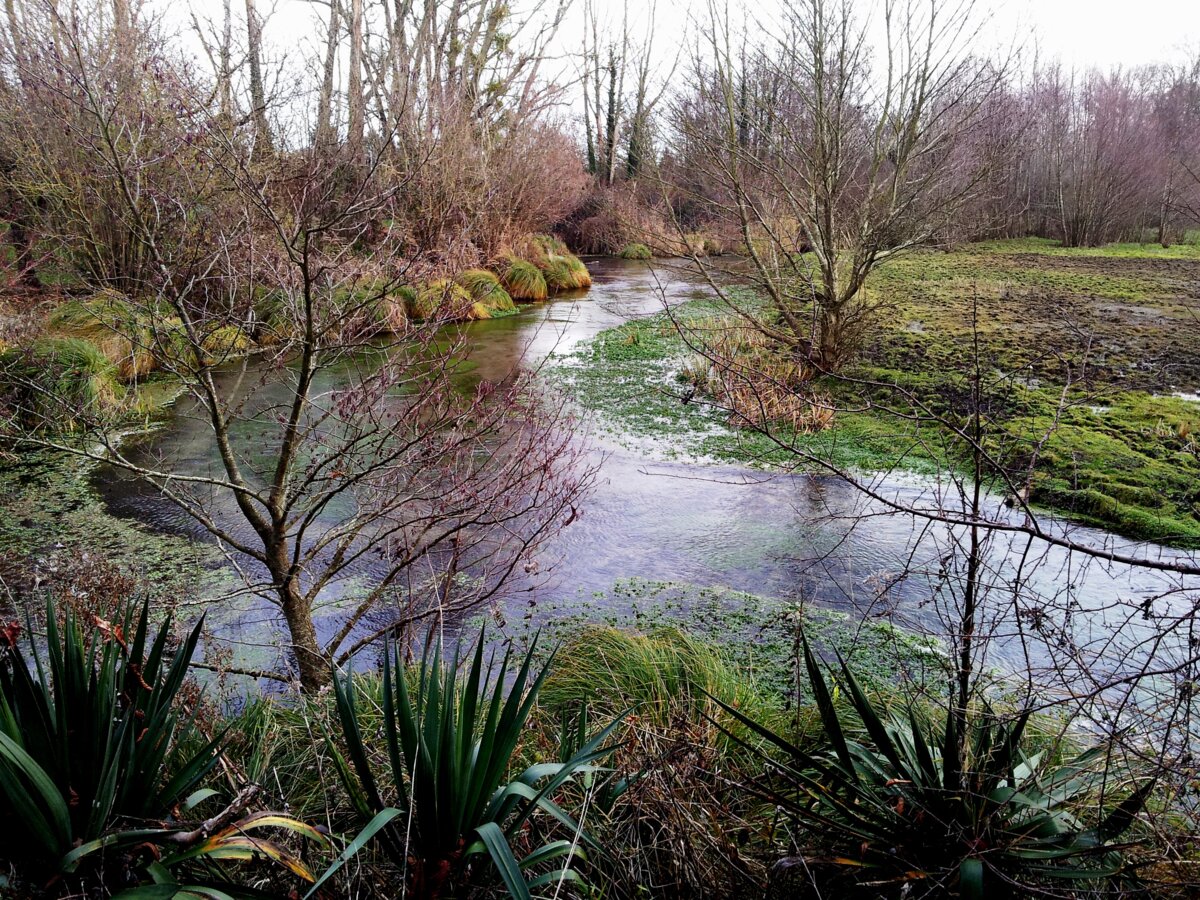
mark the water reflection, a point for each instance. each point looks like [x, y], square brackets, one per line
[788, 537]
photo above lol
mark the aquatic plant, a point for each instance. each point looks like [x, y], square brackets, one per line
[636, 251]
[522, 279]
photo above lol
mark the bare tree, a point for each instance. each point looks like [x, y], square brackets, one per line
[440, 487]
[827, 163]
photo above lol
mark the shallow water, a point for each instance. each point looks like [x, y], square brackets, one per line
[789, 537]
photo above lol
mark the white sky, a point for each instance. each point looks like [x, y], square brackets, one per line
[1079, 33]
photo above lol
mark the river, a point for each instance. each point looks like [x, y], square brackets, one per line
[781, 536]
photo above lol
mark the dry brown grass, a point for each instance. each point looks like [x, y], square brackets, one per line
[757, 382]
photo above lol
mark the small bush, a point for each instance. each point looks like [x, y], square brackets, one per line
[522, 279]
[443, 784]
[636, 251]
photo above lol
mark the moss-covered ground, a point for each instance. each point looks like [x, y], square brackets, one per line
[1090, 363]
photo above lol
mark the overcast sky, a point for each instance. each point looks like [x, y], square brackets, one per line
[1079, 33]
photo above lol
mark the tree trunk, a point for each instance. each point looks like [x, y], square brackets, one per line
[258, 93]
[325, 131]
[311, 663]
[225, 83]
[355, 87]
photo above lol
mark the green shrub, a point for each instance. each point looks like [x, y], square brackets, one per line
[922, 805]
[636, 251]
[53, 383]
[441, 797]
[522, 279]
[93, 734]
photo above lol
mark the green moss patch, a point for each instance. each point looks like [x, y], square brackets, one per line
[1117, 327]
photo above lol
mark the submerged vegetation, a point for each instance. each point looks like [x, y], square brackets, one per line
[1112, 440]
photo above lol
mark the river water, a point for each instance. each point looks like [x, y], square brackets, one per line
[783, 536]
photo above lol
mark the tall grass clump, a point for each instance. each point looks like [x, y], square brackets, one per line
[656, 675]
[562, 270]
[225, 342]
[662, 815]
[636, 251]
[522, 279]
[112, 323]
[565, 273]
[440, 299]
[490, 298]
[48, 385]
[371, 306]
[580, 275]
[558, 274]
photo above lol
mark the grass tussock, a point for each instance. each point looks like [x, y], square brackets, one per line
[225, 342]
[370, 306]
[491, 300]
[522, 279]
[658, 675]
[52, 383]
[561, 269]
[440, 299]
[114, 324]
[636, 251]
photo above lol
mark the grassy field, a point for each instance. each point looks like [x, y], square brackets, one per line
[1090, 361]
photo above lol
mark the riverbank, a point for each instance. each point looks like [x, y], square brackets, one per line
[1111, 437]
